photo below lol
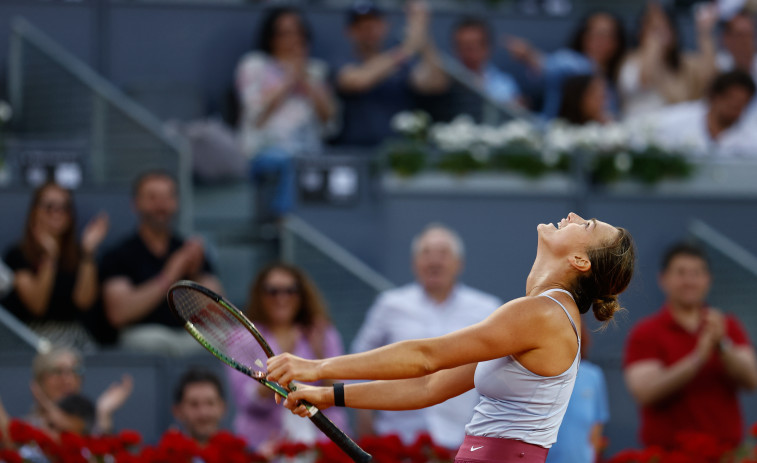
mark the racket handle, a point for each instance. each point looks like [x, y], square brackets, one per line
[341, 439]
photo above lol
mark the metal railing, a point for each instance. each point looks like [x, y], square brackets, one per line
[56, 96]
[17, 337]
[734, 270]
[348, 285]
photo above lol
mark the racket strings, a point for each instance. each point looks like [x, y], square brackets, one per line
[219, 328]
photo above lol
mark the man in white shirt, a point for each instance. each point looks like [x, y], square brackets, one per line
[436, 304]
[715, 127]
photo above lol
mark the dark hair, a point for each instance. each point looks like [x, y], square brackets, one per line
[69, 248]
[81, 407]
[143, 177]
[312, 308]
[362, 9]
[577, 41]
[682, 249]
[672, 57]
[736, 78]
[268, 27]
[196, 375]
[612, 267]
[727, 25]
[477, 23]
[574, 90]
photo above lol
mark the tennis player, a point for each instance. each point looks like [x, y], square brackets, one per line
[522, 359]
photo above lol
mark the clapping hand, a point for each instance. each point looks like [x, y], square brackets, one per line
[94, 233]
[111, 400]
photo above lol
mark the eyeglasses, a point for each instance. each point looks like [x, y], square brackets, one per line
[60, 371]
[274, 291]
[55, 206]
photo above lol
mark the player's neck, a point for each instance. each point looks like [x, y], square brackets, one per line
[543, 276]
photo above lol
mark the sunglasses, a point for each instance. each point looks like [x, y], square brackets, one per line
[60, 371]
[55, 206]
[274, 291]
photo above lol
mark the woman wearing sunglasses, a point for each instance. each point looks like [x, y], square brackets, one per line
[287, 308]
[55, 272]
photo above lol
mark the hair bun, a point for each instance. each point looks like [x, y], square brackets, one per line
[605, 307]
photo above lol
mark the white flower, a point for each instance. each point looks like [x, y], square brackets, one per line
[480, 152]
[6, 112]
[403, 122]
[623, 161]
[550, 157]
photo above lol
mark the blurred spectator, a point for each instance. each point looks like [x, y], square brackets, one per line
[137, 272]
[5, 420]
[285, 103]
[55, 274]
[584, 100]
[58, 374]
[598, 46]
[376, 82]
[472, 39]
[658, 73]
[199, 404]
[738, 39]
[686, 364]
[436, 304]
[580, 437]
[714, 127]
[77, 415]
[290, 313]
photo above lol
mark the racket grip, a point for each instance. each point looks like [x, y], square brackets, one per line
[341, 439]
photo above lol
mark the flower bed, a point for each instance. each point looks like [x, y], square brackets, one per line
[33, 445]
[606, 153]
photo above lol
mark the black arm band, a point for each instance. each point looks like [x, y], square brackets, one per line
[339, 394]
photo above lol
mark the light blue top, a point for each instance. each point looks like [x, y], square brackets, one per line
[499, 85]
[588, 407]
[519, 404]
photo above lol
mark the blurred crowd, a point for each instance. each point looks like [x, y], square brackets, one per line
[289, 103]
[683, 365]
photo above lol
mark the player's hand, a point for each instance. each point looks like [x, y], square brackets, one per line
[285, 368]
[321, 397]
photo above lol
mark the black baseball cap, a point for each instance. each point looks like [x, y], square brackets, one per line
[361, 9]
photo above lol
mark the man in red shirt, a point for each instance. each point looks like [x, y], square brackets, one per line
[686, 364]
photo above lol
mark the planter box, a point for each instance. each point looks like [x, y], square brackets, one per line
[478, 183]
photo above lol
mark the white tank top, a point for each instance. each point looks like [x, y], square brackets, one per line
[518, 404]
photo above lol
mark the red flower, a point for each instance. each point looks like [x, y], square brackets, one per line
[20, 432]
[10, 456]
[291, 449]
[129, 438]
[753, 431]
[126, 457]
[99, 446]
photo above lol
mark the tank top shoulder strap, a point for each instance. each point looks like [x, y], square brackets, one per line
[572, 323]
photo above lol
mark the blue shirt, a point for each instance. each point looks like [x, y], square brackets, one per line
[366, 115]
[499, 85]
[587, 407]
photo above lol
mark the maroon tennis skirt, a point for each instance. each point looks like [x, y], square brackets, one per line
[477, 449]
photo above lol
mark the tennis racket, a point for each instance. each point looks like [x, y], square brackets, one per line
[223, 330]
